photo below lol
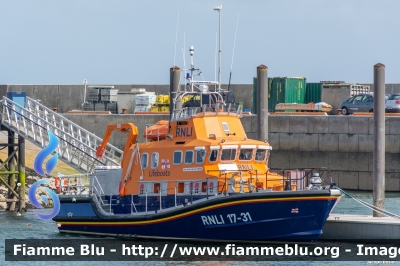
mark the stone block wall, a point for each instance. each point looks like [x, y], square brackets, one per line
[344, 144]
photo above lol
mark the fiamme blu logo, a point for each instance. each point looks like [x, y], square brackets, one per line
[38, 167]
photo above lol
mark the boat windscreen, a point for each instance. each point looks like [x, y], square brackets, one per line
[228, 154]
[260, 154]
[245, 154]
[213, 156]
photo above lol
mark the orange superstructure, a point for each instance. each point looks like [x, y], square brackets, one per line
[201, 149]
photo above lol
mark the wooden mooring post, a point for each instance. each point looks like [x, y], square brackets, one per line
[11, 168]
[12, 174]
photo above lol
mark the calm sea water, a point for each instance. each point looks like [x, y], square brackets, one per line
[29, 226]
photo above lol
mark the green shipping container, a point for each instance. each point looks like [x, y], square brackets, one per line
[282, 90]
[313, 92]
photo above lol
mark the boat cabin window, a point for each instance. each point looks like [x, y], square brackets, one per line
[213, 156]
[245, 154]
[189, 157]
[211, 187]
[228, 154]
[260, 155]
[177, 157]
[154, 160]
[200, 155]
[144, 161]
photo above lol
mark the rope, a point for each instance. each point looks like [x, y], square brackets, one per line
[370, 206]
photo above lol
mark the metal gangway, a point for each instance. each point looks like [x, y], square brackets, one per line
[77, 146]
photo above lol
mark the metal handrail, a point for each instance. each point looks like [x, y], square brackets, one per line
[95, 179]
[77, 146]
[94, 197]
[151, 131]
[304, 178]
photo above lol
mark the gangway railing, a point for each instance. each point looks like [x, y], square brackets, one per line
[77, 146]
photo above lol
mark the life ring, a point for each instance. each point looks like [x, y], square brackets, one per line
[259, 185]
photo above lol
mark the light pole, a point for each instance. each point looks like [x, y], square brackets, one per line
[219, 8]
[84, 93]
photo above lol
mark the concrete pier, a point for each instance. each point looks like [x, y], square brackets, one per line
[360, 227]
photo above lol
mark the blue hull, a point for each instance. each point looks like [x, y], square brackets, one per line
[277, 216]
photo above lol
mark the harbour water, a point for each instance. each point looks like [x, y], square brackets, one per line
[29, 226]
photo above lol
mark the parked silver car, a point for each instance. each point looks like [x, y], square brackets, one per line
[358, 103]
[392, 104]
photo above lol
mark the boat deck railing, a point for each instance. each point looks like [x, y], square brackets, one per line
[153, 132]
[291, 179]
[216, 109]
[72, 184]
[296, 178]
[213, 107]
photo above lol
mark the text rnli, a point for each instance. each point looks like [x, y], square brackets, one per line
[184, 132]
[245, 167]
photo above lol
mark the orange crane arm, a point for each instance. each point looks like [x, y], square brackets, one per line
[128, 128]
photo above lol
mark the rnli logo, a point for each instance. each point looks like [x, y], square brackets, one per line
[38, 167]
[245, 167]
[184, 132]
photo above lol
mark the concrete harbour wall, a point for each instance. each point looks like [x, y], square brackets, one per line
[70, 97]
[344, 144]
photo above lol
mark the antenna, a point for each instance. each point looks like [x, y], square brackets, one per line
[233, 52]
[218, 9]
[215, 59]
[184, 58]
[191, 50]
[176, 36]
[183, 73]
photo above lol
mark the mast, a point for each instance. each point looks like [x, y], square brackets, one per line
[191, 50]
[219, 8]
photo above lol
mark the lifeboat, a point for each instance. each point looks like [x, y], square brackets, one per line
[206, 181]
[158, 131]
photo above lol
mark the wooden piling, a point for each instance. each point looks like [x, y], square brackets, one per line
[22, 175]
[11, 167]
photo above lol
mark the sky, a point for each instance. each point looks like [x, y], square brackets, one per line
[137, 42]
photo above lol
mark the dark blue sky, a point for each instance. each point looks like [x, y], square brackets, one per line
[123, 42]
